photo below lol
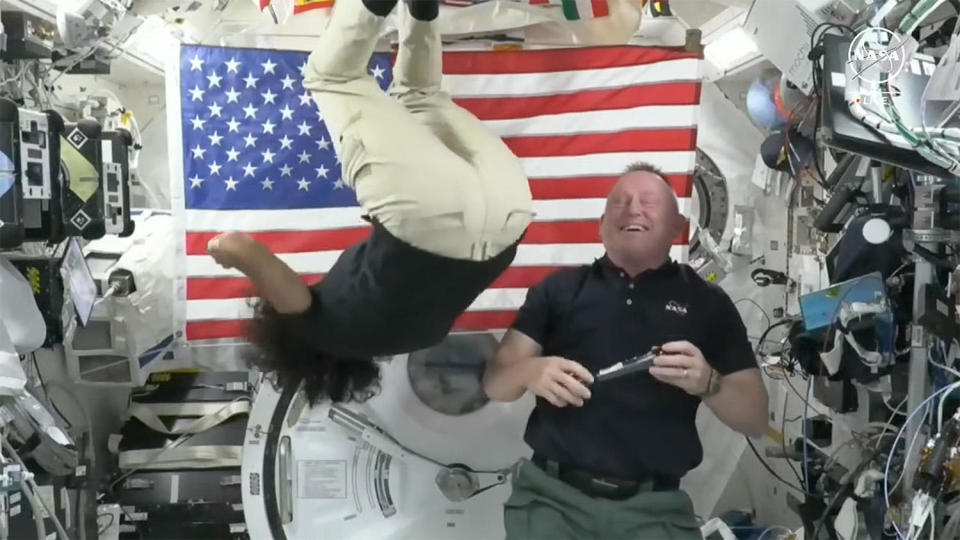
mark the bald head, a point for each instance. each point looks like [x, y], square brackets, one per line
[641, 220]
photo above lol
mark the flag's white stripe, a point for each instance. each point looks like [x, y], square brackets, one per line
[342, 218]
[611, 164]
[542, 84]
[320, 262]
[571, 124]
[585, 9]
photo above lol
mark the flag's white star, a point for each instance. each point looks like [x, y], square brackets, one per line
[232, 95]
[303, 69]
[286, 112]
[196, 64]
[231, 184]
[250, 111]
[269, 97]
[196, 182]
[233, 125]
[250, 140]
[377, 72]
[232, 154]
[251, 80]
[267, 184]
[285, 170]
[232, 65]
[215, 110]
[305, 98]
[304, 128]
[304, 157]
[268, 126]
[198, 122]
[196, 94]
[248, 170]
[267, 156]
[215, 138]
[268, 66]
[339, 184]
[322, 171]
[198, 152]
[288, 82]
[286, 142]
[214, 79]
[215, 168]
[323, 143]
[303, 185]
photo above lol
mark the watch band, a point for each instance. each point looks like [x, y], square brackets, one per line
[713, 385]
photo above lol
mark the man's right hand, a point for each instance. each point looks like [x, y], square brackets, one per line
[560, 381]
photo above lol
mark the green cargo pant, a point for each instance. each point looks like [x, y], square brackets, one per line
[544, 508]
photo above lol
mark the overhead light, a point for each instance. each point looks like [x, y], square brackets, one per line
[730, 49]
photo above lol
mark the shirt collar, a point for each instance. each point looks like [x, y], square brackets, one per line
[611, 270]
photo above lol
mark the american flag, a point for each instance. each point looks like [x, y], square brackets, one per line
[256, 157]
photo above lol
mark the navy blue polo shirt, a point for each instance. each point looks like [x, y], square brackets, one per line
[633, 426]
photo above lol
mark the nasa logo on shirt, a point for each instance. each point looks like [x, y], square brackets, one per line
[676, 307]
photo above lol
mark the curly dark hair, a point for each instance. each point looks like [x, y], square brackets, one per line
[283, 352]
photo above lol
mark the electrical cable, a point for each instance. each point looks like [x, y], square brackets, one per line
[33, 485]
[803, 424]
[774, 473]
[754, 302]
[46, 394]
[783, 443]
[775, 528]
[109, 524]
[886, 475]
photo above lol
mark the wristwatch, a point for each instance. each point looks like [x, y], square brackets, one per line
[713, 385]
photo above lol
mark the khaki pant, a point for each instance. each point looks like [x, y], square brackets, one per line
[422, 166]
[542, 507]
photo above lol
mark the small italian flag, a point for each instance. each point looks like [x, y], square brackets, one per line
[576, 10]
[302, 6]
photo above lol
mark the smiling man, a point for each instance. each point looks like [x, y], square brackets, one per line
[609, 456]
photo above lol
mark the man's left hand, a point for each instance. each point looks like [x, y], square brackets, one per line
[682, 365]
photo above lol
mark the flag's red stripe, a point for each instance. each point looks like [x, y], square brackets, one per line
[554, 60]
[647, 140]
[600, 8]
[303, 8]
[485, 320]
[596, 187]
[290, 241]
[471, 320]
[264, 4]
[680, 93]
[554, 232]
[215, 329]
[230, 287]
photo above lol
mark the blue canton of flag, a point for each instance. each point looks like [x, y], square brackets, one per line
[252, 135]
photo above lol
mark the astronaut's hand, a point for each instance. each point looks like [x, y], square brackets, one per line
[682, 364]
[232, 250]
[560, 381]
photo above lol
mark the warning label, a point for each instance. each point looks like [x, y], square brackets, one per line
[322, 479]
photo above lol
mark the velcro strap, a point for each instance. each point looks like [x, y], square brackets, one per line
[216, 414]
[192, 457]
